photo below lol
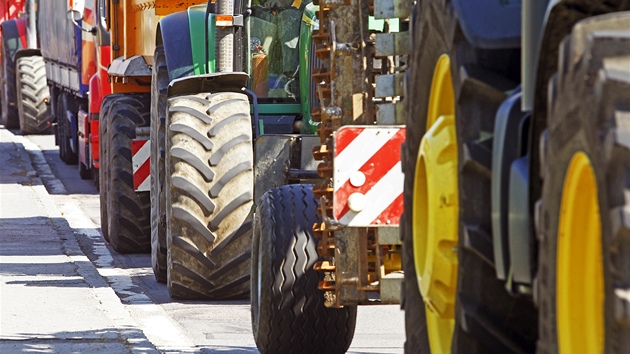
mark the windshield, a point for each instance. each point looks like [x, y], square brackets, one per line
[274, 29]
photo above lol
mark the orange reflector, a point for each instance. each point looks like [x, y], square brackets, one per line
[224, 20]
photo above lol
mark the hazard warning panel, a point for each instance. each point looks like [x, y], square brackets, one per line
[368, 178]
[140, 155]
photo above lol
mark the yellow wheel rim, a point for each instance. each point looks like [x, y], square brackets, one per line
[436, 211]
[580, 279]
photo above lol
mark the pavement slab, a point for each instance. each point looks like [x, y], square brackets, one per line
[52, 299]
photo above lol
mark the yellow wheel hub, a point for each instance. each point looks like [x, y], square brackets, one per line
[436, 211]
[580, 277]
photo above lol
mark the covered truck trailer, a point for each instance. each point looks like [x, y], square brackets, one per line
[72, 49]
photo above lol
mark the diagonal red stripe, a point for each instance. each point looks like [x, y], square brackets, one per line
[141, 174]
[136, 145]
[391, 213]
[345, 136]
[374, 169]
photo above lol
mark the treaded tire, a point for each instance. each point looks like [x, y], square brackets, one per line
[288, 311]
[209, 191]
[159, 84]
[128, 212]
[103, 155]
[10, 116]
[588, 111]
[32, 92]
[484, 309]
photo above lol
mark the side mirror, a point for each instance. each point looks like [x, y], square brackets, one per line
[75, 16]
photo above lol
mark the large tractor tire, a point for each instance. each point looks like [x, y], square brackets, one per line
[32, 94]
[103, 156]
[128, 211]
[449, 133]
[209, 191]
[288, 310]
[64, 108]
[159, 85]
[10, 115]
[584, 252]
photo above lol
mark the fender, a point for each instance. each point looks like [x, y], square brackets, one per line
[95, 100]
[173, 32]
[27, 53]
[497, 26]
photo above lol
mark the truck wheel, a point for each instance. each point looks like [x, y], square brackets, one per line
[288, 311]
[61, 128]
[584, 248]
[128, 212]
[447, 153]
[10, 116]
[31, 95]
[84, 172]
[103, 155]
[159, 84]
[209, 191]
[64, 107]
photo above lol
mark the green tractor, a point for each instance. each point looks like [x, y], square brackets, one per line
[245, 82]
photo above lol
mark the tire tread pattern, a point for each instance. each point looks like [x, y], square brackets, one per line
[128, 211]
[208, 234]
[32, 87]
[589, 99]
[290, 316]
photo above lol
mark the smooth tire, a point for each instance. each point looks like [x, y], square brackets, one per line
[288, 310]
[209, 191]
[584, 249]
[128, 211]
[32, 94]
[159, 85]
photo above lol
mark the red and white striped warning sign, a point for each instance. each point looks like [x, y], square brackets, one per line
[368, 178]
[140, 155]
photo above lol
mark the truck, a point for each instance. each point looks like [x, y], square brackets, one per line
[76, 53]
[24, 98]
[514, 226]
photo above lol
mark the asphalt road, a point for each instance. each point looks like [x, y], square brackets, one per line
[170, 325]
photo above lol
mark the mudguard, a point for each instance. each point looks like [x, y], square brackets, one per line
[173, 33]
[490, 24]
[27, 53]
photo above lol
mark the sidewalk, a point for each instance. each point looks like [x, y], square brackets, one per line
[52, 299]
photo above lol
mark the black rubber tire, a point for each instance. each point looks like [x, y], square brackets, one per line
[32, 94]
[103, 156]
[484, 310]
[288, 310]
[159, 85]
[61, 129]
[589, 105]
[64, 105]
[84, 172]
[128, 211]
[209, 191]
[10, 116]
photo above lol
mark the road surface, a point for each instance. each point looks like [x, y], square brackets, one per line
[137, 312]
